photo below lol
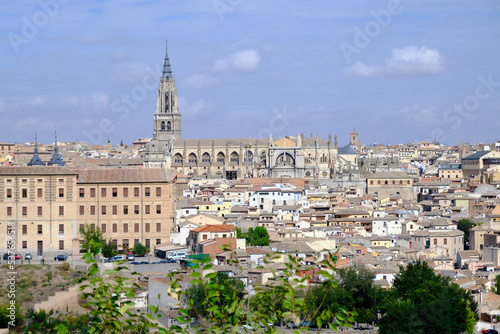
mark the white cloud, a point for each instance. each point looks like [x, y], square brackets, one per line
[194, 108]
[422, 115]
[201, 81]
[406, 61]
[241, 61]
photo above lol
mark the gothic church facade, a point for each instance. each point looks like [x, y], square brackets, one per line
[311, 158]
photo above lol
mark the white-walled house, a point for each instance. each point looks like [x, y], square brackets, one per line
[387, 226]
[179, 237]
[185, 211]
[266, 198]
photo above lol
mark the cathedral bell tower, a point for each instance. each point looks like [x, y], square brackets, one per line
[167, 120]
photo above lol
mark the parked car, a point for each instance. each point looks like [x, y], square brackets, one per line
[119, 257]
[131, 257]
[17, 256]
[489, 331]
[61, 257]
[177, 256]
[135, 262]
[144, 262]
[28, 256]
[6, 256]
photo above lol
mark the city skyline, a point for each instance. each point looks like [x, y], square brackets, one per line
[396, 71]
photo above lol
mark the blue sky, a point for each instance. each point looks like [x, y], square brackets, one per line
[396, 71]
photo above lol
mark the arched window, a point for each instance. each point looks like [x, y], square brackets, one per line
[192, 158]
[323, 158]
[221, 157]
[163, 126]
[169, 126]
[235, 157]
[250, 157]
[263, 158]
[379, 182]
[285, 158]
[386, 182]
[371, 182]
[178, 158]
[205, 157]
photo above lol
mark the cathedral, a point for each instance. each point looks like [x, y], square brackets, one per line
[301, 157]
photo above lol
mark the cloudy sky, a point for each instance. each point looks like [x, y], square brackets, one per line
[396, 71]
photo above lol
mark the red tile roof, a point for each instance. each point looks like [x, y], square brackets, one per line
[214, 228]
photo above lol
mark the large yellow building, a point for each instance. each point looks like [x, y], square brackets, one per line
[45, 207]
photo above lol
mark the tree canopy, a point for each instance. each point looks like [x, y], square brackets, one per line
[257, 236]
[90, 234]
[428, 303]
[139, 249]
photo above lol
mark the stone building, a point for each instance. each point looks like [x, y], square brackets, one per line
[38, 208]
[385, 184]
[45, 207]
[312, 158]
[129, 205]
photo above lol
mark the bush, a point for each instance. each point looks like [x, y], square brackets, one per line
[65, 266]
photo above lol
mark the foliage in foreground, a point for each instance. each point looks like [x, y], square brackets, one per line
[420, 302]
[221, 307]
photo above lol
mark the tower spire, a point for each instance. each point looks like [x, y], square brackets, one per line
[56, 159]
[167, 71]
[35, 160]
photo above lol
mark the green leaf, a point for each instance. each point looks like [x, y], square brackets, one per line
[184, 312]
[125, 307]
[211, 275]
[181, 320]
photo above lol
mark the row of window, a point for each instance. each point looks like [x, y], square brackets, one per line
[26, 181]
[125, 192]
[114, 210]
[125, 228]
[387, 182]
[61, 244]
[114, 192]
[114, 228]
[39, 211]
[125, 243]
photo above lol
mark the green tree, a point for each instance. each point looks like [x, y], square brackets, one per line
[240, 234]
[357, 281]
[465, 225]
[428, 303]
[108, 249]
[90, 234]
[258, 236]
[6, 317]
[230, 287]
[139, 249]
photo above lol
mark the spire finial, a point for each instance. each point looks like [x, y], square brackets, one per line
[167, 71]
[36, 143]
